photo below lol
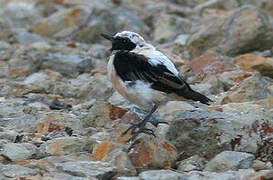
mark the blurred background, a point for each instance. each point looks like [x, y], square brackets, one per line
[55, 99]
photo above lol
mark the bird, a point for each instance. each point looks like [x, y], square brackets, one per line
[145, 77]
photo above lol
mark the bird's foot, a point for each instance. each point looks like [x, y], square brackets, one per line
[156, 121]
[141, 129]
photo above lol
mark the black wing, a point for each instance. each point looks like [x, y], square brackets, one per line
[131, 67]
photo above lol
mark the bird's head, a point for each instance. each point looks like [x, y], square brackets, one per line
[124, 40]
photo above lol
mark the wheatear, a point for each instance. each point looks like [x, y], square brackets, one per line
[145, 77]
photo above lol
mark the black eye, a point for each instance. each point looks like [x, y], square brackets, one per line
[124, 40]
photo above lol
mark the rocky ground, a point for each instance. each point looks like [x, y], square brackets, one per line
[61, 118]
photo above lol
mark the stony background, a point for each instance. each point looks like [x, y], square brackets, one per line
[61, 119]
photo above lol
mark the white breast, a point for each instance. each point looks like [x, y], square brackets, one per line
[140, 93]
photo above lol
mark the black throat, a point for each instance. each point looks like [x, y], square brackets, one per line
[123, 44]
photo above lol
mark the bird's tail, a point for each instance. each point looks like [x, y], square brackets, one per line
[196, 96]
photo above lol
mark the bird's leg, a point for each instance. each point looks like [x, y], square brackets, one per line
[141, 126]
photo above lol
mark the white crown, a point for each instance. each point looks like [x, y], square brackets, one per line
[134, 37]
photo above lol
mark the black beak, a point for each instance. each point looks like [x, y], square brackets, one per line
[107, 36]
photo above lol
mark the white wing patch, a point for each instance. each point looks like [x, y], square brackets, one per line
[157, 58]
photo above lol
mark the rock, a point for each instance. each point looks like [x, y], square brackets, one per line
[159, 174]
[194, 163]
[264, 174]
[259, 165]
[15, 171]
[168, 111]
[182, 39]
[103, 114]
[12, 115]
[117, 100]
[167, 27]
[68, 65]
[100, 170]
[209, 64]
[232, 78]
[27, 38]
[230, 160]
[231, 37]
[150, 153]
[42, 81]
[97, 86]
[9, 135]
[19, 15]
[14, 151]
[229, 175]
[251, 89]
[61, 176]
[111, 21]
[216, 4]
[207, 133]
[128, 178]
[62, 23]
[251, 62]
[189, 2]
[66, 145]
[57, 122]
[4, 67]
[117, 156]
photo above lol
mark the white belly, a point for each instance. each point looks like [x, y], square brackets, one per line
[140, 93]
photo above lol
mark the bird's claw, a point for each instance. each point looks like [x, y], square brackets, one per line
[141, 130]
[132, 128]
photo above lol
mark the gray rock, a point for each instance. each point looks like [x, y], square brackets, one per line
[61, 176]
[28, 38]
[128, 178]
[100, 170]
[207, 133]
[259, 165]
[169, 110]
[68, 65]
[41, 80]
[13, 171]
[160, 174]
[15, 151]
[233, 37]
[97, 86]
[12, 115]
[121, 161]
[18, 15]
[217, 4]
[113, 21]
[229, 175]
[167, 27]
[9, 135]
[230, 160]
[66, 145]
[194, 163]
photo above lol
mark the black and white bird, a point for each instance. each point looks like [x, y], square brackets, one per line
[145, 77]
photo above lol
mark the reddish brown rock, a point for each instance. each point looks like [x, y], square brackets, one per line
[103, 114]
[50, 123]
[62, 23]
[102, 149]
[209, 64]
[67, 145]
[153, 154]
[252, 88]
[261, 175]
[116, 155]
[250, 62]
